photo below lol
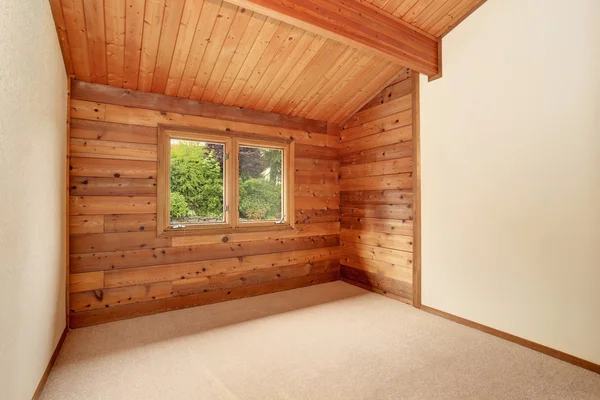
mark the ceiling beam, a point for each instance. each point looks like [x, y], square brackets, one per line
[359, 24]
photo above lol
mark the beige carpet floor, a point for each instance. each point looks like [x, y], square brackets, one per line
[332, 341]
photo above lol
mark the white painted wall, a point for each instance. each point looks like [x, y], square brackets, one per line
[32, 194]
[511, 173]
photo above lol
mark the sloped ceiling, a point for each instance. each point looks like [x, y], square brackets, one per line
[217, 52]
[436, 17]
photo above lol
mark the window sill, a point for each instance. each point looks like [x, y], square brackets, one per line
[207, 231]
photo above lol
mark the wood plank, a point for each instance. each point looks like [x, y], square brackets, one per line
[246, 44]
[285, 37]
[434, 13]
[208, 18]
[218, 36]
[333, 85]
[153, 18]
[396, 272]
[185, 34]
[120, 223]
[391, 151]
[114, 14]
[136, 258]
[339, 62]
[279, 72]
[317, 190]
[104, 242]
[382, 75]
[391, 92]
[311, 164]
[208, 79]
[97, 316]
[152, 101]
[88, 110]
[74, 18]
[105, 298]
[93, 205]
[322, 61]
[358, 24]
[327, 153]
[134, 26]
[322, 229]
[222, 267]
[385, 124]
[113, 150]
[367, 197]
[168, 35]
[315, 177]
[332, 101]
[84, 186]
[317, 203]
[383, 211]
[94, 21]
[100, 130]
[376, 281]
[86, 281]
[380, 111]
[316, 216]
[270, 30]
[297, 70]
[249, 278]
[383, 182]
[378, 239]
[401, 227]
[394, 166]
[244, 26]
[138, 116]
[107, 168]
[82, 224]
[394, 136]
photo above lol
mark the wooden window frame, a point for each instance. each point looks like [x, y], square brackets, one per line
[232, 142]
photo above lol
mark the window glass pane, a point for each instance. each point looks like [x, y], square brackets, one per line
[261, 184]
[196, 182]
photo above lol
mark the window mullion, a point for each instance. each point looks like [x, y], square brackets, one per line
[233, 184]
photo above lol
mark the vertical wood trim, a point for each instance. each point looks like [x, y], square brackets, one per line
[289, 201]
[162, 194]
[234, 171]
[416, 138]
[67, 194]
[440, 66]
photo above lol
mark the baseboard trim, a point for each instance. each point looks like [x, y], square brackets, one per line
[516, 339]
[40, 386]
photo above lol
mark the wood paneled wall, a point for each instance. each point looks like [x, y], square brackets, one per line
[120, 269]
[377, 193]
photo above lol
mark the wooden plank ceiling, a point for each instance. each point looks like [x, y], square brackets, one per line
[436, 17]
[217, 52]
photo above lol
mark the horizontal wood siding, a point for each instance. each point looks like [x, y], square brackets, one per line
[376, 197]
[120, 269]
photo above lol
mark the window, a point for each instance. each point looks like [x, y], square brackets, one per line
[220, 182]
